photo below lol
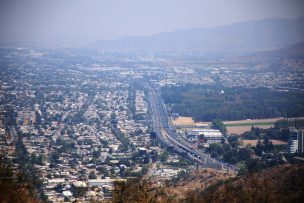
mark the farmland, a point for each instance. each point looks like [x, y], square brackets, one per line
[233, 127]
[254, 142]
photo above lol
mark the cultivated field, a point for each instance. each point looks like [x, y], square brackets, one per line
[269, 121]
[238, 130]
[233, 127]
[241, 126]
[182, 120]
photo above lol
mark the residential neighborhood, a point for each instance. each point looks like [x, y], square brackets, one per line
[84, 125]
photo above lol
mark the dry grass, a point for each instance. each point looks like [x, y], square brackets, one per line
[279, 184]
[254, 142]
[199, 180]
[247, 124]
[248, 121]
[233, 127]
[238, 130]
[183, 120]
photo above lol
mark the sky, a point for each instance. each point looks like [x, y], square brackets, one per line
[110, 19]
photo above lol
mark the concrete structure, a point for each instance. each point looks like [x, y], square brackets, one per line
[103, 182]
[296, 141]
[210, 135]
[26, 117]
[301, 141]
[142, 151]
[293, 141]
[54, 182]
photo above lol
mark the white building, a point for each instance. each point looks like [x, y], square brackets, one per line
[54, 182]
[103, 182]
[26, 117]
[296, 141]
[210, 135]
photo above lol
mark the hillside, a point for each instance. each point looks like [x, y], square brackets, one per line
[283, 183]
[295, 51]
[200, 179]
[279, 184]
[290, 58]
[240, 37]
[14, 182]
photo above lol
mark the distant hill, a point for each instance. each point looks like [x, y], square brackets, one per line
[240, 37]
[290, 58]
[295, 51]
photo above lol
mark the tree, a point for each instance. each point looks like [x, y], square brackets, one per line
[268, 146]
[12, 183]
[92, 175]
[54, 158]
[257, 132]
[103, 171]
[215, 150]
[138, 131]
[105, 143]
[154, 156]
[96, 154]
[164, 156]
[144, 170]
[113, 116]
[34, 158]
[244, 154]
[259, 148]
[254, 165]
[153, 135]
[138, 190]
[146, 160]
[218, 124]
[233, 140]
[266, 140]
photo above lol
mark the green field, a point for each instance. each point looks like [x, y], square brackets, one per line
[249, 124]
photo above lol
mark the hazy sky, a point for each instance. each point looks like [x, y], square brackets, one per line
[117, 18]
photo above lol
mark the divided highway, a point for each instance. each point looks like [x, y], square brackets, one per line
[165, 133]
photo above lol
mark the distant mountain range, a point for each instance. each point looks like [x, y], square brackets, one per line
[267, 34]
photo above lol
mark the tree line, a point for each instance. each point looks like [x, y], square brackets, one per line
[206, 103]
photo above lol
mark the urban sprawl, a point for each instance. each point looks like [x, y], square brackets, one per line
[86, 120]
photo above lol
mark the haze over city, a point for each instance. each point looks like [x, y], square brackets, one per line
[95, 19]
[164, 101]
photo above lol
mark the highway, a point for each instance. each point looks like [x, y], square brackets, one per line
[165, 133]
